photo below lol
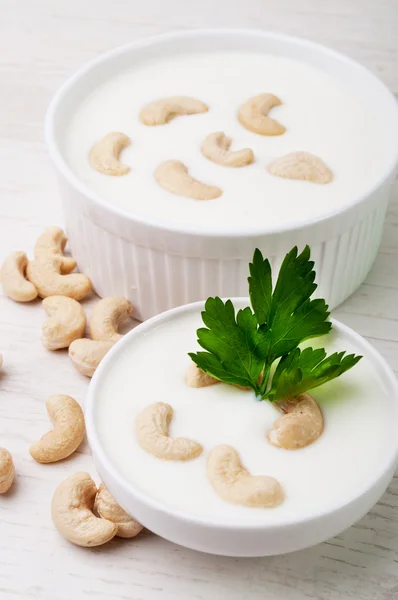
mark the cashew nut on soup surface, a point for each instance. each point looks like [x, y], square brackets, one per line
[302, 166]
[50, 243]
[233, 482]
[173, 176]
[301, 425]
[72, 512]
[253, 115]
[152, 428]
[86, 354]
[105, 154]
[68, 432]
[107, 507]
[196, 378]
[15, 285]
[7, 471]
[106, 317]
[66, 322]
[162, 111]
[47, 278]
[216, 147]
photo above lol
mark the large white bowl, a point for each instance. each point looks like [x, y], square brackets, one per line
[159, 267]
[203, 534]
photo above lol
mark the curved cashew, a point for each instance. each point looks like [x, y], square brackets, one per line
[253, 115]
[216, 148]
[196, 378]
[52, 242]
[233, 483]
[107, 314]
[303, 166]
[15, 286]
[173, 176]
[7, 470]
[68, 432]
[152, 427]
[47, 278]
[104, 155]
[86, 354]
[107, 508]
[162, 111]
[72, 512]
[300, 426]
[66, 322]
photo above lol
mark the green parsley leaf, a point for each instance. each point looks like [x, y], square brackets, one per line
[303, 370]
[232, 344]
[240, 349]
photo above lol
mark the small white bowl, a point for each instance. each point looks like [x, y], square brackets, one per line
[158, 267]
[239, 539]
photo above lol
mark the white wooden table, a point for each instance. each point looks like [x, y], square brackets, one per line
[41, 43]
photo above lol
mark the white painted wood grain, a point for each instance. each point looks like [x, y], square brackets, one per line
[41, 43]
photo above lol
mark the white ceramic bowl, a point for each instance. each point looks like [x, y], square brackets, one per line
[159, 267]
[240, 539]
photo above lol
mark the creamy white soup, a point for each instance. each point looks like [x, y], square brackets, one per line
[359, 428]
[321, 115]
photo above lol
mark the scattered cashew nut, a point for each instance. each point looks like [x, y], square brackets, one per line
[104, 155]
[66, 322]
[300, 426]
[72, 512]
[106, 317]
[107, 508]
[253, 115]
[233, 483]
[303, 166]
[196, 378]
[68, 432]
[216, 147]
[52, 242]
[13, 280]
[173, 176]
[7, 471]
[86, 354]
[47, 278]
[162, 111]
[152, 428]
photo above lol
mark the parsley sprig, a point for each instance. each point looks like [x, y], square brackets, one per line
[241, 348]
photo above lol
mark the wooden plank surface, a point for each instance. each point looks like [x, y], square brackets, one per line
[41, 43]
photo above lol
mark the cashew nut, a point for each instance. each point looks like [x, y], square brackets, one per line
[253, 115]
[66, 322]
[52, 242]
[152, 427]
[162, 111]
[173, 176]
[196, 378]
[1, 361]
[303, 166]
[47, 278]
[216, 148]
[68, 432]
[300, 426]
[107, 508]
[233, 483]
[86, 354]
[7, 471]
[104, 155]
[72, 512]
[13, 280]
[106, 317]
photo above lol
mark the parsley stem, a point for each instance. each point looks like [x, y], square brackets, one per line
[264, 383]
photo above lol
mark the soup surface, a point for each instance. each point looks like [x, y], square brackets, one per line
[360, 422]
[321, 115]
